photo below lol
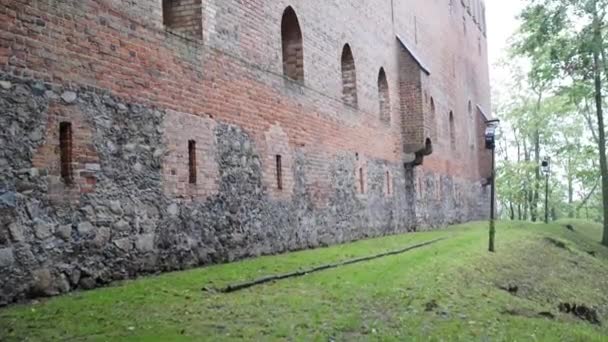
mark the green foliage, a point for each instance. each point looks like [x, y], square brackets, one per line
[552, 109]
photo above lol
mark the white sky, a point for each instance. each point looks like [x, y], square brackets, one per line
[502, 23]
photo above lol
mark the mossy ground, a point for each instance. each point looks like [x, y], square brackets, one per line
[452, 290]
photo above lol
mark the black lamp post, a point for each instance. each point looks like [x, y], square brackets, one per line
[490, 137]
[546, 168]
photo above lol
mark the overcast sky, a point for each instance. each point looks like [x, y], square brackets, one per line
[502, 24]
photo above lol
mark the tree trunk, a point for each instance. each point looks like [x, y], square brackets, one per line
[536, 195]
[597, 50]
[570, 192]
[537, 175]
[588, 197]
[526, 192]
[519, 216]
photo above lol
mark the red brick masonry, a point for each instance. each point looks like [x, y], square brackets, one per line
[307, 123]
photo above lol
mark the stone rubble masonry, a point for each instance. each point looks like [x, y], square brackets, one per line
[137, 88]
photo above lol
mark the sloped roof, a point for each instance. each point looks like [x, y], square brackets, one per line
[418, 61]
[486, 116]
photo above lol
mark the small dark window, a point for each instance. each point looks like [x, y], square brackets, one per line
[361, 180]
[279, 166]
[452, 131]
[192, 161]
[388, 182]
[65, 151]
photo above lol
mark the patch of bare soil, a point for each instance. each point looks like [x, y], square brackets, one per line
[528, 313]
[581, 311]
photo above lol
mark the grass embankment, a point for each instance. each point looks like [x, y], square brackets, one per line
[451, 290]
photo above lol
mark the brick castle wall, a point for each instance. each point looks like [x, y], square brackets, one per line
[138, 84]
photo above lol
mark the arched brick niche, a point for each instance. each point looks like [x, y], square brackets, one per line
[293, 50]
[384, 97]
[349, 77]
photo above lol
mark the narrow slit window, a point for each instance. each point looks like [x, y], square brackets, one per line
[388, 182]
[65, 151]
[452, 131]
[361, 181]
[192, 161]
[279, 166]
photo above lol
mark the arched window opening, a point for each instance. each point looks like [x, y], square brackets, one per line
[452, 132]
[293, 51]
[384, 97]
[349, 77]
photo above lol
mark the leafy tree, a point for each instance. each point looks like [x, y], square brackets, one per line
[564, 41]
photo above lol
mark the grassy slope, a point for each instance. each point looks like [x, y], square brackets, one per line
[384, 299]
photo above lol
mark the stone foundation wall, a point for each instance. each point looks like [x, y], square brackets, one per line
[135, 94]
[127, 225]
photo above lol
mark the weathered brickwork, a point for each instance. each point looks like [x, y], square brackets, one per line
[212, 130]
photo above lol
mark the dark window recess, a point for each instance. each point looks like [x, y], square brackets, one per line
[361, 181]
[384, 97]
[349, 77]
[192, 161]
[184, 17]
[293, 50]
[167, 11]
[452, 131]
[388, 182]
[65, 151]
[279, 166]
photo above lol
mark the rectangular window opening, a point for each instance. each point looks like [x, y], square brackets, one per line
[361, 180]
[279, 166]
[192, 161]
[183, 17]
[388, 182]
[65, 151]
[167, 7]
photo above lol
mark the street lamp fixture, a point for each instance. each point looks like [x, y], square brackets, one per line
[490, 134]
[490, 138]
[545, 166]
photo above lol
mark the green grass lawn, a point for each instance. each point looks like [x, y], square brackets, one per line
[448, 291]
